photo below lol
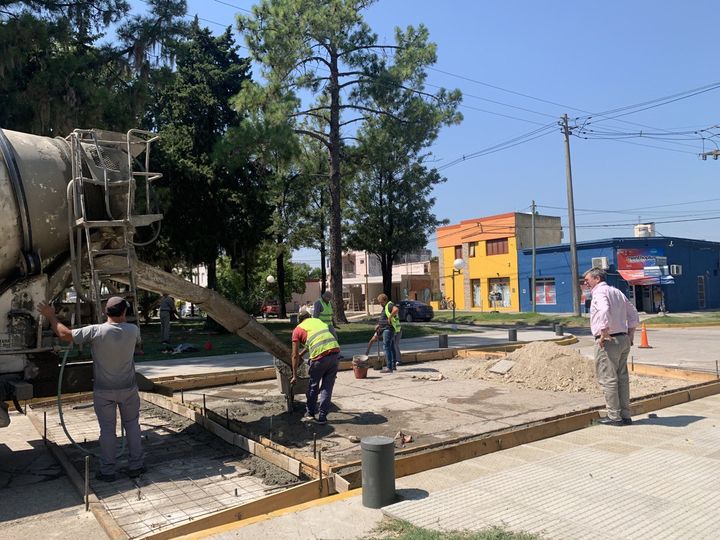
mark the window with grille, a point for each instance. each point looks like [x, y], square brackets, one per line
[701, 291]
[545, 291]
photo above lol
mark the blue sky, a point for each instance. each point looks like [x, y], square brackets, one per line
[582, 56]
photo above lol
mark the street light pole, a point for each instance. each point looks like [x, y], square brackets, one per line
[457, 269]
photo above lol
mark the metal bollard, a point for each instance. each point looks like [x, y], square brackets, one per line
[443, 341]
[559, 330]
[512, 334]
[378, 471]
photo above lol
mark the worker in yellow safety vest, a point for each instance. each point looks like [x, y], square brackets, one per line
[388, 327]
[323, 310]
[324, 352]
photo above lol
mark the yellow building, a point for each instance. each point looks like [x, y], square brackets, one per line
[488, 247]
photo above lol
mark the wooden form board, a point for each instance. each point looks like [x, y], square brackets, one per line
[306, 492]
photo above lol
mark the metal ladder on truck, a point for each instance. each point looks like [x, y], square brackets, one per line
[104, 166]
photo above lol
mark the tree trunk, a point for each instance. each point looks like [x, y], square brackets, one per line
[386, 268]
[280, 267]
[323, 250]
[212, 273]
[335, 187]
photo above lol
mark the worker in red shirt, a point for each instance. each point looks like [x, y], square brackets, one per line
[324, 352]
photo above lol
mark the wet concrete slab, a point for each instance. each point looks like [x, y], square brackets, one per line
[431, 411]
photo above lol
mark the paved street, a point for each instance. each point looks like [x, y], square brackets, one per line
[473, 338]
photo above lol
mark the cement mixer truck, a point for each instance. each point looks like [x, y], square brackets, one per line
[72, 212]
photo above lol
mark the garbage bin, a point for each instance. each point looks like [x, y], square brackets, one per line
[293, 318]
[378, 471]
[559, 330]
[442, 341]
[512, 334]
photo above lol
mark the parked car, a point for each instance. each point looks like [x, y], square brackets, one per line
[270, 308]
[412, 310]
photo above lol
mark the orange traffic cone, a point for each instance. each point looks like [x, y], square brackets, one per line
[643, 339]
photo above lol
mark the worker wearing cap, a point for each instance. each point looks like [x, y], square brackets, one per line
[324, 352]
[323, 310]
[112, 345]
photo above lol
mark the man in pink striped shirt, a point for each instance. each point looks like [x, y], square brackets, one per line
[613, 320]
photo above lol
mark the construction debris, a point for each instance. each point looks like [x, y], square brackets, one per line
[435, 377]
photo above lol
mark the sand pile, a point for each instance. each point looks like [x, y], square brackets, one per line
[544, 365]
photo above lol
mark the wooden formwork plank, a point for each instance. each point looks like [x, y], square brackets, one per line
[208, 380]
[309, 491]
[650, 370]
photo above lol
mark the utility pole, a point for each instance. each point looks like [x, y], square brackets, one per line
[571, 219]
[534, 266]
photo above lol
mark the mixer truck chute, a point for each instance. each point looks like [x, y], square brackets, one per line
[69, 217]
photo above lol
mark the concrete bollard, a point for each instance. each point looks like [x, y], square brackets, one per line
[512, 334]
[559, 330]
[378, 471]
[442, 341]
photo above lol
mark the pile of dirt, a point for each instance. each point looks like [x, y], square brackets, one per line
[544, 365]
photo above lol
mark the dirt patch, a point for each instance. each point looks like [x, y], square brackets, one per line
[545, 365]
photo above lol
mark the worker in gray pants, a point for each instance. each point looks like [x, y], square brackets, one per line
[112, 345]
[167, 309]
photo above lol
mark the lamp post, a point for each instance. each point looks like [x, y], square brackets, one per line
[457, 269]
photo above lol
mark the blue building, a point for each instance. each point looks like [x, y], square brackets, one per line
[678, 273]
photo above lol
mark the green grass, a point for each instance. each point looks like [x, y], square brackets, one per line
[706, 319]
[193, 332]
[402, 530]
[491, 319]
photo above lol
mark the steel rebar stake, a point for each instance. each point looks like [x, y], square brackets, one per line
[320, 470]
[204, 406]
[45, 427]
[87, 483]
[182, 396]
[314, 445]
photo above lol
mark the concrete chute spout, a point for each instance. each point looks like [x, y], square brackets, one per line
[230, 316]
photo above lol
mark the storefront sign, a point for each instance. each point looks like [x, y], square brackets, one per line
[637, 259]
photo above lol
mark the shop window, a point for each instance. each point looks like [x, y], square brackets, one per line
[499, 292]
[545, 291]
[496, 247]
[476, 298]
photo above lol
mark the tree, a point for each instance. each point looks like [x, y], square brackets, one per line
[325, 48]
[390, 209]
[192, 114]
[55, 75]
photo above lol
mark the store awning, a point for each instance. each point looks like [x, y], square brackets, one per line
[650, 275]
